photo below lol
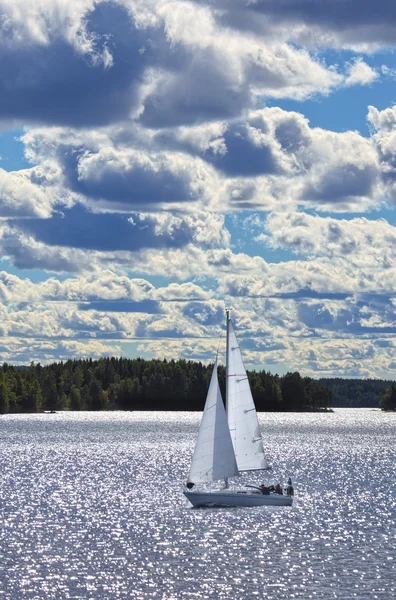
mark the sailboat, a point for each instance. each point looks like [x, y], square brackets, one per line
[229, 441]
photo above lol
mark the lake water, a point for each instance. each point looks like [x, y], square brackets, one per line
[92, 507]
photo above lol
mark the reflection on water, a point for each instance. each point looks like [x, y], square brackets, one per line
[92, 507]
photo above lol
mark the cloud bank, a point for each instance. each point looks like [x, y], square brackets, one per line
[165, 182]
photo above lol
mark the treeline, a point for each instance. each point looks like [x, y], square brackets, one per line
[356, 393]
[388, 398]
[138, 384]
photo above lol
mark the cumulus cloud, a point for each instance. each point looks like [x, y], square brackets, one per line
[346, 318]
[352, 24]
[16, 351]
[163, 62]
[104, 171]
[31, 192]
[104, 237]
[98, 48]
[279, 341]
[77, 242]
[131, 178]
[271, 158]
[52, 319]
[320, 277]
[225, 76]
[383, 124]
[311, 167]
[183, 292]
[360, 73]
[358, 239]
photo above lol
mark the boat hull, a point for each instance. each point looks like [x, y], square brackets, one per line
[236, 498]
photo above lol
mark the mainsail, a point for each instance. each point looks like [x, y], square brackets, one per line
[214, 456]
[242, 416]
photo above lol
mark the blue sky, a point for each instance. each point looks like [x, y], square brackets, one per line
[163, 159]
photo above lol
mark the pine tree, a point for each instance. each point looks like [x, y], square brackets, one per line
[4, 395]
[388, 398]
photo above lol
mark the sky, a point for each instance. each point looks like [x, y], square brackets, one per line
[161, 160]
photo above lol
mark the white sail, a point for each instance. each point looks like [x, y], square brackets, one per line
[214, 456]
[242, 416]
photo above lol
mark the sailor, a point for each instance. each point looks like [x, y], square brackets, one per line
[264, 489]
[278, 489]
[289, 489]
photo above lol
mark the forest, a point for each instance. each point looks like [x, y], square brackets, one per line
[139, 384]
[356, 393]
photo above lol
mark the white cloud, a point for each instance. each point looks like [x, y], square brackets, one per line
[130, 179]
[163, 62]
[360, 73]
[182, 291]
[51, 320]
[357, 239]
[383, 124]
[17, 351]
[270, 159]
[31, 192]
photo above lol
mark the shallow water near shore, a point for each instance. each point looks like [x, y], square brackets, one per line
[92, 507]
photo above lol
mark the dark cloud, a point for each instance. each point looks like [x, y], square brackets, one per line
[79, 228]
[342, 184]
[55, 84]
[337, 14]
[203, 90]
[122, 179]
[242, 196]
[262, 344]
[384, 343]
[361, 20]
[345, 320]
[167, 332]
[308, 293]
[204, 312]
[320, 317]
[125, 306]
[291, 135]
[24, 255]
[243, 157]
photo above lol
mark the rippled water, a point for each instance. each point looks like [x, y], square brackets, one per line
[92, 507]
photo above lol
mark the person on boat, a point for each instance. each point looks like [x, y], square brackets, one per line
[278, 489]
[289, 489]
[264, 489]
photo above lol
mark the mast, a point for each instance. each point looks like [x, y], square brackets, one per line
[227, 386]
[227, 351]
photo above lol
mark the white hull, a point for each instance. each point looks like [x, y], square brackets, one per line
[236, 498]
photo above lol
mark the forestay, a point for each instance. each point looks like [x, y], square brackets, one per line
[214, 456]
[242, 416]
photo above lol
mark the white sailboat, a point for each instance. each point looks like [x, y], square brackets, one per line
[229, 440]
